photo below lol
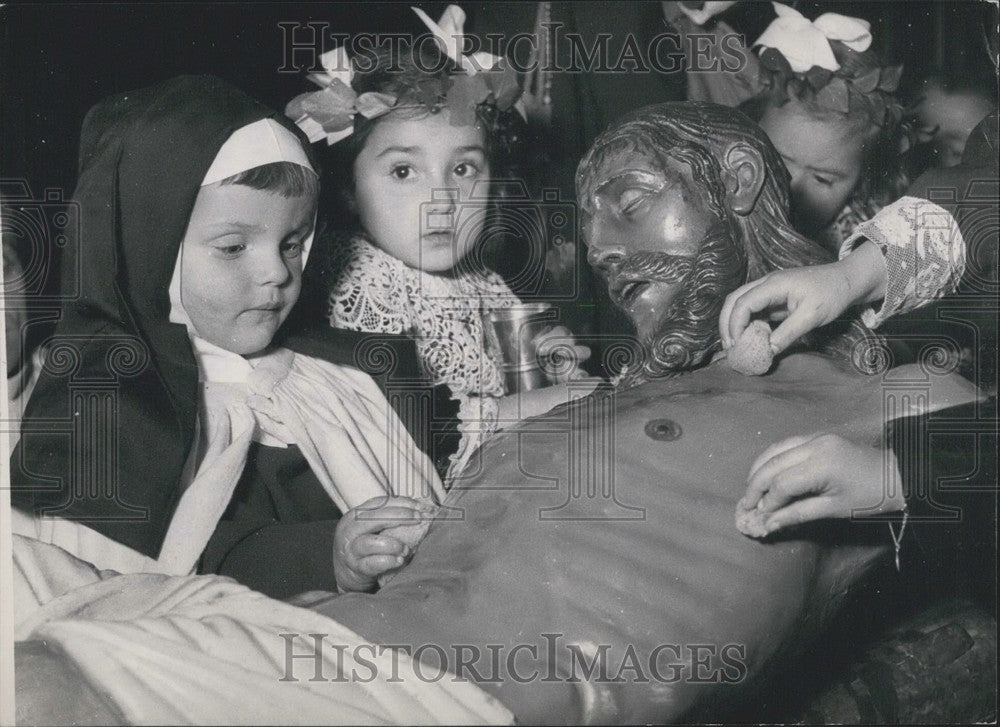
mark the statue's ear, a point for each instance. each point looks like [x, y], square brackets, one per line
[744, 173]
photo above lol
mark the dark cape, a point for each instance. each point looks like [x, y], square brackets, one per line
[951, 486]
[966, 318]
[109, 426]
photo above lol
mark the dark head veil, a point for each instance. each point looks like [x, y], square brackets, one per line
[107, 430]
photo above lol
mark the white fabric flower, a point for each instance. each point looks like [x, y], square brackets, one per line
[450, 33]
[805, 43]
[337, 66]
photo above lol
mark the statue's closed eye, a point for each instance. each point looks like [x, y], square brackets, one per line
[632, 198]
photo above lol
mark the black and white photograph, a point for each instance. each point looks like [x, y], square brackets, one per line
[420, 363]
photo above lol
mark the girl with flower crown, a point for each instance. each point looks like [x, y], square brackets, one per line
[819, 91]
[417, 138]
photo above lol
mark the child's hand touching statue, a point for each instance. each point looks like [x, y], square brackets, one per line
[804, 299]
[376, 537]
[823, 475]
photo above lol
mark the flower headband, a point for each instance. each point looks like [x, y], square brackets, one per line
[793, 47]
[482, 78]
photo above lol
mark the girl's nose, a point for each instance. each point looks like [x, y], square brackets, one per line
[443, 199]
[439, 213]
[274, 270]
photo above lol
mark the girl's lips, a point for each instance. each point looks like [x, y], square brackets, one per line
[439, 239]
[270, 308]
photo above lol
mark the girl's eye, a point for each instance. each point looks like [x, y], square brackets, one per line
[292, 249]
[824, 181]
[402, 171]
[631, 199]
[230, 251]
[927, 133]
[466, 169]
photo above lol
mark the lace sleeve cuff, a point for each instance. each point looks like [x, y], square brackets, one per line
[924, 255]
[478, 417]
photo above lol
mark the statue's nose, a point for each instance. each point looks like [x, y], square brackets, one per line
[604, 257]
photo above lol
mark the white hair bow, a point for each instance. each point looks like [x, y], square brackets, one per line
[449, 31]
[805, 43]
[329, 113]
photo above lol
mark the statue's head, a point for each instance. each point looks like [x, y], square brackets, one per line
[681, 204]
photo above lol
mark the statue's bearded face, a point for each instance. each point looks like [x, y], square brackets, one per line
[644, 222]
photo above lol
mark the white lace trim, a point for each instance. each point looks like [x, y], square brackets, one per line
[924, 254]
[446, 315]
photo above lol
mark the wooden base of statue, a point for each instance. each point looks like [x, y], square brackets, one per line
[937, 668]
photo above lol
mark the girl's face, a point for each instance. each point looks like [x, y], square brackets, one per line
[241, 265]
[947, 120]
[413, 182]
[823, 157]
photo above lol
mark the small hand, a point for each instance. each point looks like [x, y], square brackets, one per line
[805, 478]
[559, 354]
[804, 298]
[362, 550]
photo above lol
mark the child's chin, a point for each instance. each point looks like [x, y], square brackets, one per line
[440, 264]
[248, 345]
[254, 348]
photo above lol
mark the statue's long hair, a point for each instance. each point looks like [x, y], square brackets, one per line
[698, 134]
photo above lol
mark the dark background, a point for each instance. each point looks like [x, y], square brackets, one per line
[59, 59]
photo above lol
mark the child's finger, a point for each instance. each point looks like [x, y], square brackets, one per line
[775, 449]
[762, 476]
[376, 565]
[798, 323]
[770, 292]
[726, 314]
[801, 511]
[796, 481]
[373, 521]
[367, 545]
[393, 501]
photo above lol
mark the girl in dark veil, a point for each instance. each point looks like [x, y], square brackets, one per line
[170, 431]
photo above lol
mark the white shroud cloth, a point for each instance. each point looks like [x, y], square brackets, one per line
[205, 650]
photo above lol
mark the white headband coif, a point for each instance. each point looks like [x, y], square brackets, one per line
[254, 145]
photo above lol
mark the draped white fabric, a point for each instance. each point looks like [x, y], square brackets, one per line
[206, 650]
